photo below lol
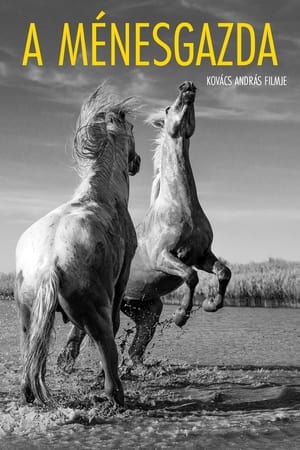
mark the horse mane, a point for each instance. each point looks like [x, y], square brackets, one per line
[156, 119]
[91, 135]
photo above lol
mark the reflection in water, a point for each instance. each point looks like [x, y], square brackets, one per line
[227, 380]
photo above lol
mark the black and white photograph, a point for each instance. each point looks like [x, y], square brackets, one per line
[149, 224]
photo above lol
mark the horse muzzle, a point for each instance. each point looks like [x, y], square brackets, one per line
[188, 92]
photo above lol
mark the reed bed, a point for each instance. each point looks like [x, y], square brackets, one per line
[273, 283]
[7, 281]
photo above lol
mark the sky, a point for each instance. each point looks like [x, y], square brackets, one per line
[245, 150]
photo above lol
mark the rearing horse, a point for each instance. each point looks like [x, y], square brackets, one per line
[174, 237]
[77, 258]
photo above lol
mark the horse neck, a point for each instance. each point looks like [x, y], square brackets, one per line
[106, 179]
[176, 176]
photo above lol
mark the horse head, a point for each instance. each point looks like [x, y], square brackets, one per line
[118, 127]
[103, 122]
[179, 118]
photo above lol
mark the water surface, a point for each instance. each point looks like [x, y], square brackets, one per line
[227, 380]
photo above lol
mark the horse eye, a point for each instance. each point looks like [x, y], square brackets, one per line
[122, 115]
[167, 109]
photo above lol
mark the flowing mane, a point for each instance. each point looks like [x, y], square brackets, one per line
[91, 134]
[156, 119]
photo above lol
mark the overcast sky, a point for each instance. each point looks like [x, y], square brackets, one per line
[245, 151]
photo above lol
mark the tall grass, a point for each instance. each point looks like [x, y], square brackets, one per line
[271, 283]
[7, 281]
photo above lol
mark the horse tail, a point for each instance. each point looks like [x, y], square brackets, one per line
[42, 320]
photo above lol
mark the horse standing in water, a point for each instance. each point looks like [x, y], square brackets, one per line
[174, 237]
[77, 258]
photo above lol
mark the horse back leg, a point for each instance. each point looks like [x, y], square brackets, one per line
[169, 263]
[146, 316]
[212, 264]
[68, 355]
[24, 311]
[98, 324]
[24, 318]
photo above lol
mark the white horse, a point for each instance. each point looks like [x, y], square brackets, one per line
[77, 258]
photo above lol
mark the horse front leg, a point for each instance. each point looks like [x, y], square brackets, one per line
[67, 357]
[211, 264]
[145, 314]
[171, 265]
[98, 324]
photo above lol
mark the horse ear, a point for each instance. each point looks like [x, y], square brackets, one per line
[157, 122]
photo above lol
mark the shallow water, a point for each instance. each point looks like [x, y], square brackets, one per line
[227, 380]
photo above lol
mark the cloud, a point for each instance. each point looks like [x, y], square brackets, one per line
[28, 190]
[7, 52]
[57, 78]
[3, 69]
[255, 103]
[142, 86]
[247, 114]
[140, 83]
[8, 60]
[71, 86]
[280, 215]
[139, 4]
[26, 205]
[60, 86]
[232, 11]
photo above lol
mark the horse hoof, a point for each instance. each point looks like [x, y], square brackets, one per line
[209, 305]
[212, 305]
[180, 317]
[26, 395]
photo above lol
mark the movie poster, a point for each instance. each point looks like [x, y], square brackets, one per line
[205, 155]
